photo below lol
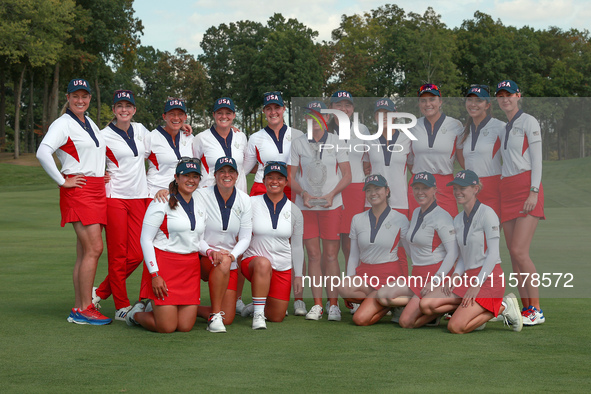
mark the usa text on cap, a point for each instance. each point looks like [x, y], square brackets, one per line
[426, 178]
[225, 161]
[508, 85]
[175, 103]
[123, 95]
[316, 105]
[273, 98]
[479, 91]
[386, 104]
[276, 166]
[191, 165]
[465, 178]
[341, 95]
[376, 180]
[78, 84]
[224, 102]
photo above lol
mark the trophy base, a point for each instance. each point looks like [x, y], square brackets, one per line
[317, 202]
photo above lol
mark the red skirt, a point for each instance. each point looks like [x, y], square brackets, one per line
[87, 204]
[182, 274]
[420, 275]
[353, 203]
[491, 292]
[376, 275]
[514, 191]
[491, 193]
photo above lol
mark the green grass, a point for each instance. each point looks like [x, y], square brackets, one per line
[41, 352]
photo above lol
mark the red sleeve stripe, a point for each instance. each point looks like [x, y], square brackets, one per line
[154, 160]
[70, 149]
[164, 226]
[112, 157]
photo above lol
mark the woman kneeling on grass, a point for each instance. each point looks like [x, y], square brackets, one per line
[172, 236]
[478, 296]
[375, 239]
[433, 250]
[267, 262]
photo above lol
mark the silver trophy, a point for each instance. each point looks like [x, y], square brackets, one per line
[316, 174]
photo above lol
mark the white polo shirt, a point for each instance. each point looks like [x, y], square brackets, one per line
[482, 147]
[303, 154]
[229, 224]
[523, 131]
[427, 236]
[272, 231]
[263, 146]
[209, 146]
[74, 146]
[435, 152]
[126, 156]
[378, 239]
[164, 156]
[389, 160]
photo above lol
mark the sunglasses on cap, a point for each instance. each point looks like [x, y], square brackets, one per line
[426, 87]
[187, 159]
[279, 163]
[485, 87]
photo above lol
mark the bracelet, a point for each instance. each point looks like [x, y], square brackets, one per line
[155, 274]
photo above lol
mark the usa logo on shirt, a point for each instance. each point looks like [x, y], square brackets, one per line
[80, 82]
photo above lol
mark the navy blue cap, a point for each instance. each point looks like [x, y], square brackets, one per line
[386, 104]
[273, 98]
[376, 180]
[123, 95]
[224, 102]
[78, 84]
[276, 166]
[187, 165]
[175, 103]
[225, 161]
[508, 85]
[425, 178]
[341, 95]
[465, 178]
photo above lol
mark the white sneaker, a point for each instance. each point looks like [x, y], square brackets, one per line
[532, 316]
[121, 313]
[216, 323]
[511, 313]
[496, 319]
[96, 299]
[258, 321]
[315, 313]
[137, 307]
[334, 313]
[396, 312]
[354, 309]
[239, 305]
[299, 308]
[149, 307]
[480, 327]
[248, 310]
[286, 312]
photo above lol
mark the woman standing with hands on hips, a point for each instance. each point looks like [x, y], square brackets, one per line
[522, 195]
[127, 200]
[434, 151]
[81, 150]
[172, 237]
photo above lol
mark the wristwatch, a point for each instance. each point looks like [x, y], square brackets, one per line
[155, 274]
[534, 189]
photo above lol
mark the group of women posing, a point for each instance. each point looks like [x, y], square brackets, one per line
[205, 215]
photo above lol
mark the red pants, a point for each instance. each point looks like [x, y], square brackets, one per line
[124, 218]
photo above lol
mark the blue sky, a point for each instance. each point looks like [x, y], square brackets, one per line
[182, 23]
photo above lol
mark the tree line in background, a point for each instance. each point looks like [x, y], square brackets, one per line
[383, 52]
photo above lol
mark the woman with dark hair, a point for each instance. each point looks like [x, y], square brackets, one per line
[172, 237]
[80, 148]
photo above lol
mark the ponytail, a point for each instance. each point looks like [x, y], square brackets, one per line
[64, 108]
[467, 129]
[173, 189]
